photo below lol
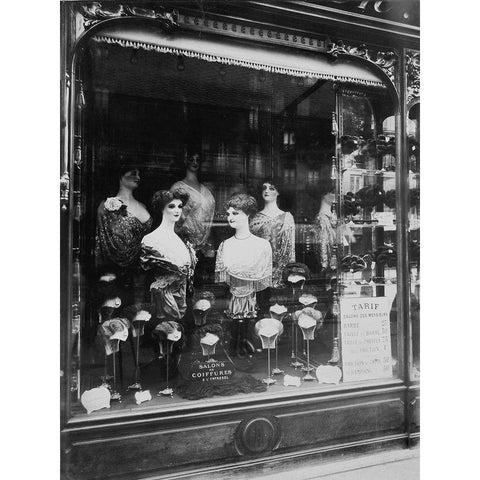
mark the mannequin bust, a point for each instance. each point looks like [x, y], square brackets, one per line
[171, 260]
[324, 228]
[278, 227]
[122, 221]
[196, 221]
[244, 263]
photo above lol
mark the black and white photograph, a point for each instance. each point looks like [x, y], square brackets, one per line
[236, 282]
[240, 238]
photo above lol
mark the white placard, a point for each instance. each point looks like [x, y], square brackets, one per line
[365, 333]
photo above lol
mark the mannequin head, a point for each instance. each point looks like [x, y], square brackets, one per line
[270, 192]
[169, 204]
[348, 144]
[193, 162]
[328, 198]
[128, 177]
[240, 208]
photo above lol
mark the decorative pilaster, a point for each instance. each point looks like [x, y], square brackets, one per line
[412, 66]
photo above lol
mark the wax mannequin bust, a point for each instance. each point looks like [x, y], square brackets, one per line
[278, 227]
[168, 257]
[197, 217]
[244, 262]
[122, 221]
[325, 232]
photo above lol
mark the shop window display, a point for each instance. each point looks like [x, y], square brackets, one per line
[413, 130]
[247, 239]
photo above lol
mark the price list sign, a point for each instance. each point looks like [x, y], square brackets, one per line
[365, 333]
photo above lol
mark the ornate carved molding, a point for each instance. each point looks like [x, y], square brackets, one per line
[95, 12]
[250, 32]
[412, 65]
[64, 191]
[385, 60]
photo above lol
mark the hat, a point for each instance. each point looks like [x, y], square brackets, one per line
[202, 305]
[296, 269]
[308, 320]
[307, 299]
[168, 331]
[353, 263]
[213, 328]
[116, 329]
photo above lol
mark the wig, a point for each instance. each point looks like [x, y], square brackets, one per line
[242, 201]
[163, 197]
[272, 181]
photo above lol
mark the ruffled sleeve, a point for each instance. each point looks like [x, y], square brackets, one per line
[290, 236]
[220, 269]
[118, 237]
[151, 259]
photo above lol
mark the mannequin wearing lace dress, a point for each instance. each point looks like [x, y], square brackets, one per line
[170, 259]
[244, 263]
[324, 229]
[278, 227]
[197, 216]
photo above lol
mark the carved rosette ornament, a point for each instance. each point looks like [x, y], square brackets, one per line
[258, 435]
[95, 12]
[385, 60]
[412, 65]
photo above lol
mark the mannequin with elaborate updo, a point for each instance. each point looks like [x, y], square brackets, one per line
[171, 260]
[122, 222]
[278, 227]
[244, 263]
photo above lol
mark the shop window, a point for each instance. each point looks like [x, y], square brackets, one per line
[234, 233]
[413, 131]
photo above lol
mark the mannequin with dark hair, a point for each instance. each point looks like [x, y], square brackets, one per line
[244, 263]
[278, 227]
[197, 216]
[171, 260]
[122, 221]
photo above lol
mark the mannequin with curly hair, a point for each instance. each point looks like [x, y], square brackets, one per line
[171, 260]
[244, 263]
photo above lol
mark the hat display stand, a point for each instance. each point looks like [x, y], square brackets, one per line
[171, 339]
[307, 325]
[106, 377]
[296, 282]
[114, 331]
[277, 312]
[167, 391]
[138, 327]
[307, 300]
[105, 313]
[208, 344]
[268, 329]
[114, 395]
[201, 308]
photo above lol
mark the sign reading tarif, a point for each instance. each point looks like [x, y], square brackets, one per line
[365, 333]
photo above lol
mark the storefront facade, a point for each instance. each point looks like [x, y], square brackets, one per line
[218, 346]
